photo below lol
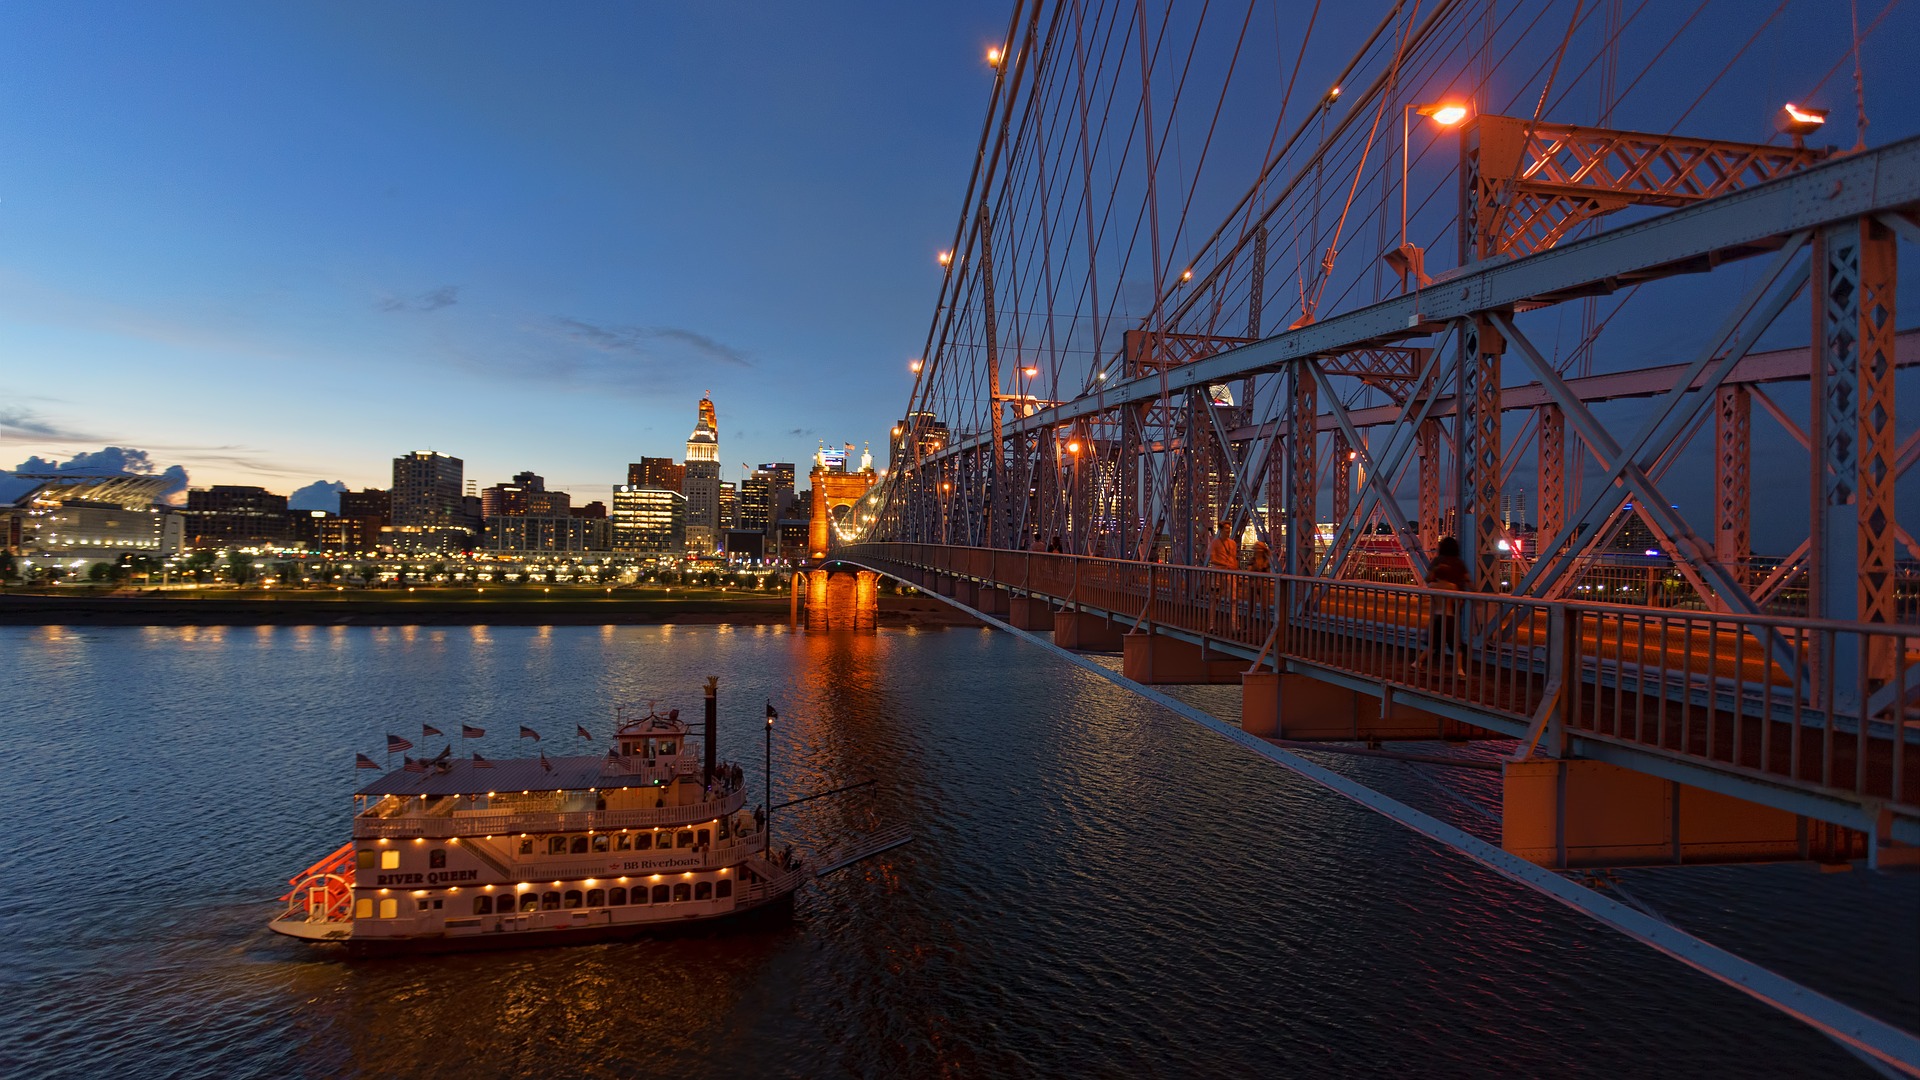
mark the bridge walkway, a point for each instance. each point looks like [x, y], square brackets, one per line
[1776, 710]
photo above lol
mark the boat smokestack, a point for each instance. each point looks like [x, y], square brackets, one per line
[713, 723]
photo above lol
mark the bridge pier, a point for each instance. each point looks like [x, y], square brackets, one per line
[1284, 705]
[1155, 659]
[1086, 632]
[1571, 813]
[1030, 613]
[992, 601]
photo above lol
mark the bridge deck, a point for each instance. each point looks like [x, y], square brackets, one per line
[1789, 705]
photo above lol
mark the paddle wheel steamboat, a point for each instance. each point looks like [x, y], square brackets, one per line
[455, 854]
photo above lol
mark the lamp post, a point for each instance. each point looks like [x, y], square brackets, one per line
[1410, 261]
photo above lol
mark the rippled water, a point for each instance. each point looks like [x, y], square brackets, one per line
[1096, 887]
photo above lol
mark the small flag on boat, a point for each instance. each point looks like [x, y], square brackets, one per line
[415, 766]
[468, 731]
[772, 713]
[362, 761]
[528, 733]
[584, 733]
[396, 744]
[480, 762]
[428, 731]
[544, 763]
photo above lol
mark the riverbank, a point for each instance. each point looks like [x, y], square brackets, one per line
[584, 607]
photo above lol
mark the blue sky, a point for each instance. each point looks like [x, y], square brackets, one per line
[282, 243]
[278, 243]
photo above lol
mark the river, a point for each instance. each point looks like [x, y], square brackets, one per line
[1096, 887]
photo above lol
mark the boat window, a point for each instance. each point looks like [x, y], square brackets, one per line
[550, 901]
[557, 845]
[390, 860]
[437, 858]
[596, 898]
[529, 902]
[643, 842]
[684, 838]
[625, 844]
[705, 838]
[723, 889]
[616, 897]
[422, 904]
[364, 859]
[723, 828]
[703, 890]
[483, 905]
[389, 908]
[363, 908]
[600, 844]
[573, 899]
[579, 845]
[660, 894]
[526, 845]
[666, 746]
[682, 893]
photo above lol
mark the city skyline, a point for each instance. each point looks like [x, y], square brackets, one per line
[254, 243]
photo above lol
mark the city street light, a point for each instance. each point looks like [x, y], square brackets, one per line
[946, 258]
[994, 56]
[914, 367]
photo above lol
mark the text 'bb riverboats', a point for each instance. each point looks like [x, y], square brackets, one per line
[455, 854]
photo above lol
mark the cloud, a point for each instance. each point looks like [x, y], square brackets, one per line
[651, 343]
[319, 495]
[444, 296]
[18, 422]
[107, 460]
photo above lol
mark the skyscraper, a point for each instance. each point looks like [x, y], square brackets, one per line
[766, 496]
[665, 474]
[648, 520]
[702, 485]
[426, 490]
[729, 505]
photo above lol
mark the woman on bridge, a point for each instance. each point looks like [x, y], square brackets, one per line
[1448, 574]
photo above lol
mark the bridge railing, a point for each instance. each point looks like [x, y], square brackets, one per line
[1809, 703]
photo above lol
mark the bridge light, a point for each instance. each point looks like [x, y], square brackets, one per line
[1800, 121]
[1186, 276]
[1073, 447]
[994, 56]
[946, 258]
[1030, 372]
[914, 367]
[1333, 95]
[1102, 376]
[1446, 114]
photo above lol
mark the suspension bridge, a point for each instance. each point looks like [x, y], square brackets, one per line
[1251, 311]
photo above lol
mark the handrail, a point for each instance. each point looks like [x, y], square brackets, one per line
[1815, 704]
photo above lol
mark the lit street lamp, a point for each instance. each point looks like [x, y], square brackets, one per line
[1408, 260]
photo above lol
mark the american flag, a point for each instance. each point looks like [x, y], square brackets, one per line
[396, 744]
[415, 766]
[362, 761]
[584, 733]
[544, 763]
[528, 733]
[468, 731]
[480, 762]
[428, 731]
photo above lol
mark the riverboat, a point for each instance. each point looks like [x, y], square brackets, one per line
[451, 854]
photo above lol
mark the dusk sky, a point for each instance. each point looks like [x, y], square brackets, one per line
[280, 243]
